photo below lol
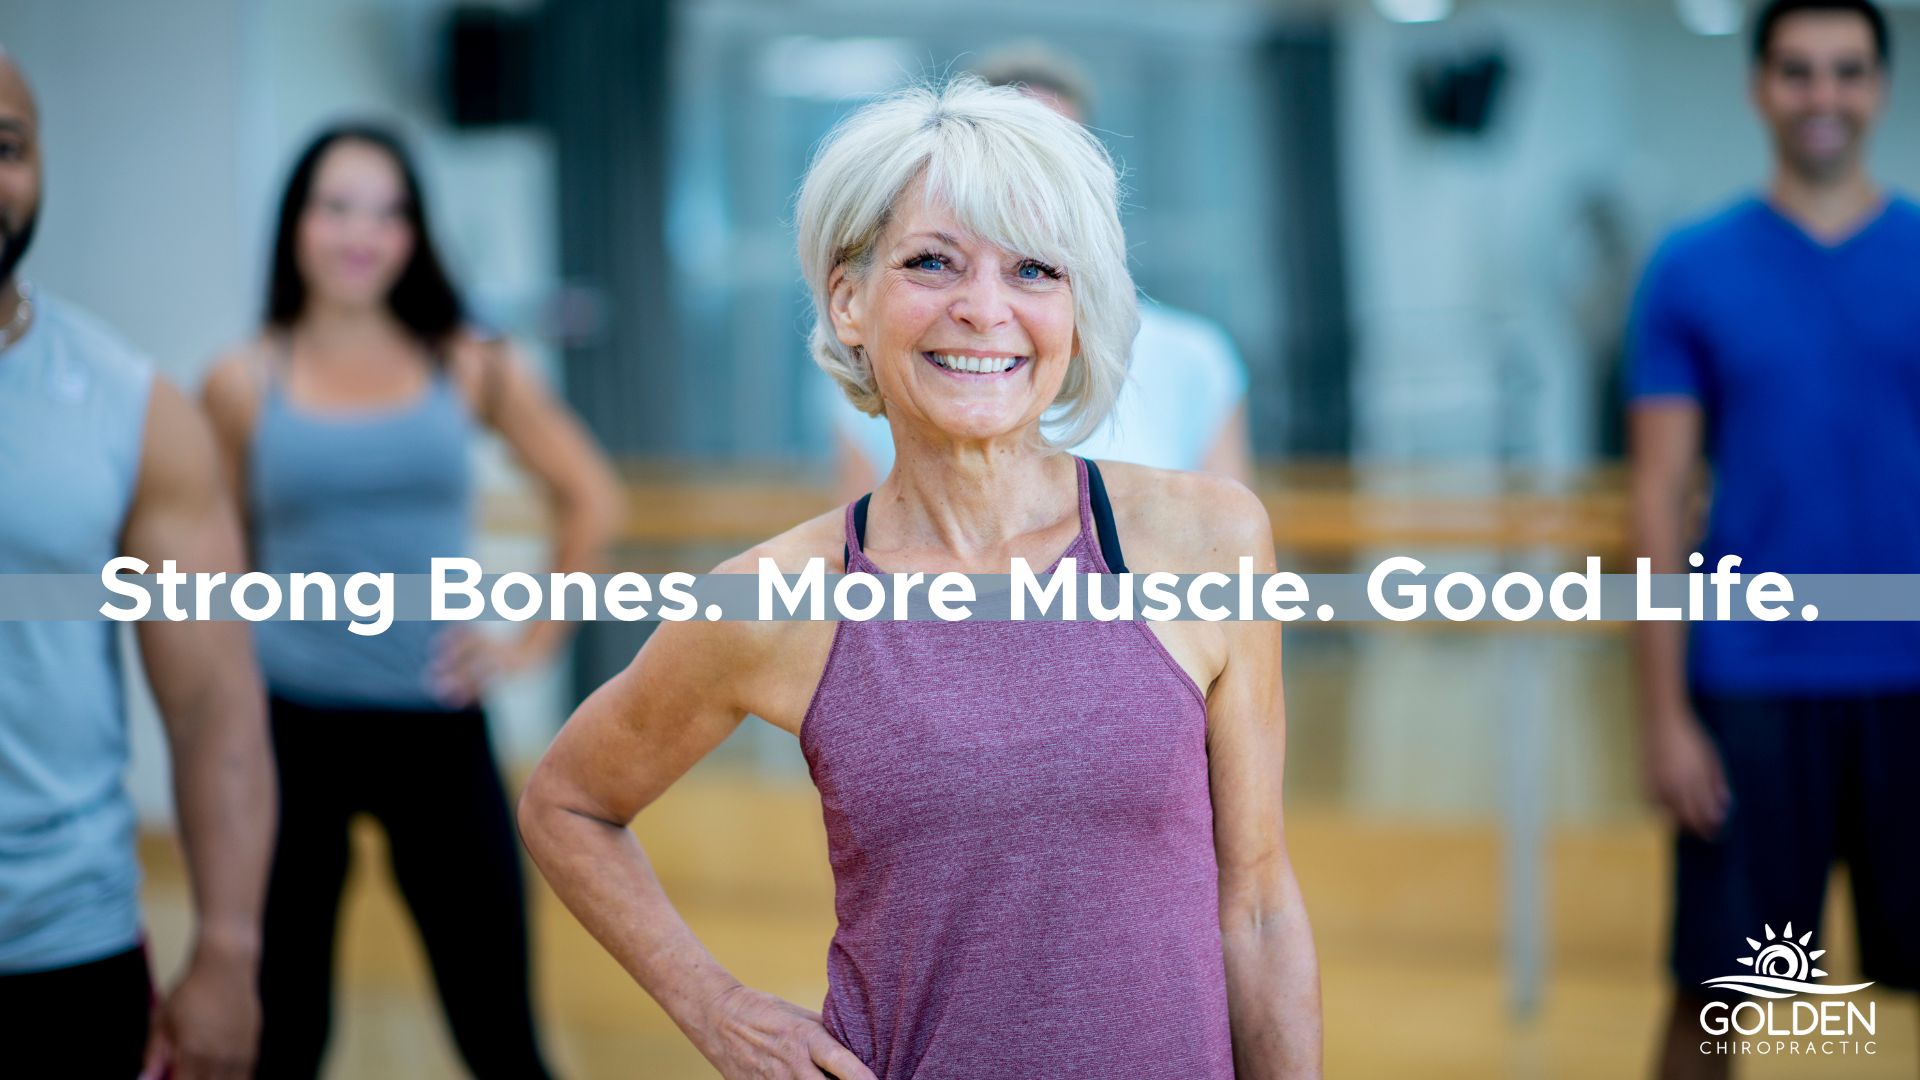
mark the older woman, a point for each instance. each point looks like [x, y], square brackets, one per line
[1057, 847]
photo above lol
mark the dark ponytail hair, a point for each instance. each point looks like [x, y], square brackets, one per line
[423, 299]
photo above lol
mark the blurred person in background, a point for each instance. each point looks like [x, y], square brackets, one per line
[347, 424]
[1780, 339]
[1185, 402]
[1057, 847]
[99, 458]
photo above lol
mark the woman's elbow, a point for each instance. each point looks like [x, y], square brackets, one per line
[526, 815]
[538, 809]
[594, 511]
[608, 513]
[1260, 897]
[556, 809]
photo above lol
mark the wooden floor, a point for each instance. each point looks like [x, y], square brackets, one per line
[1406, 918]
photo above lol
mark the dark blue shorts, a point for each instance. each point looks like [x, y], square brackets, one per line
[1814, 780]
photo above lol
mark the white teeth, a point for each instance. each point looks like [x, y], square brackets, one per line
[978, 365]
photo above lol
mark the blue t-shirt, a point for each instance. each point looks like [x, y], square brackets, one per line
[1805, 360]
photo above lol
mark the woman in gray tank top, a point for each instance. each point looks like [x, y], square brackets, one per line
[1057, 846]
[347, 425]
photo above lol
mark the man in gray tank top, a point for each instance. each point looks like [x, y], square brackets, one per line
[99, 458]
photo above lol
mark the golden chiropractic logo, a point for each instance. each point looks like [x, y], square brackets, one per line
[1781, 971]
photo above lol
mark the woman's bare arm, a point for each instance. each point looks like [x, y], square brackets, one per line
[1273, 975]
[686, 690]
[584, 499]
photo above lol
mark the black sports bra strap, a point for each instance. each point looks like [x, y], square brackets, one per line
[859, 529]
[1104, 530]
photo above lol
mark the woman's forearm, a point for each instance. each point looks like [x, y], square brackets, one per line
[600, 872]
[1273, 991]
[585, 523]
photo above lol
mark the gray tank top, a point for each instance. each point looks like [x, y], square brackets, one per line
[73, 406]
[380, 489]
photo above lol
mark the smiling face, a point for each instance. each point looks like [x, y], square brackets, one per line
[354, 235]
[1819, 88]
[968, 342]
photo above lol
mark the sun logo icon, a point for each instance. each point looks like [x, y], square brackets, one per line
[1787, 958]
[1782, 967]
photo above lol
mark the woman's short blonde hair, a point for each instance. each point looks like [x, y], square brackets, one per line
[1015, 173]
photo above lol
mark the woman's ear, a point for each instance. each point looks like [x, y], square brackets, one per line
[843, 307]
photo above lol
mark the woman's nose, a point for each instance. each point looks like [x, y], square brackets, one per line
[982, 302]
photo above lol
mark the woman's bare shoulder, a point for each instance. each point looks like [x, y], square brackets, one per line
[820, 537]
[241, 363]
[769, 667]
[1185, 521]
[235, 378]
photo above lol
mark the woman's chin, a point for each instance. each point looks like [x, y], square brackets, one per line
[353, 294]
[978, 429]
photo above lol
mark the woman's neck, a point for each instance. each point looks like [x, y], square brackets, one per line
[329, 328]
[972, 498]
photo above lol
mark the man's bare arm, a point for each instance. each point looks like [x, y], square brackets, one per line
[210, 697]
[1682, 769]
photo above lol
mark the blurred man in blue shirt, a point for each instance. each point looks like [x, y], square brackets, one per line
[99, 457]
[1780, 341]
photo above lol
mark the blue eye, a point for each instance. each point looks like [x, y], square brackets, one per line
[1030, 272]
[927, 262]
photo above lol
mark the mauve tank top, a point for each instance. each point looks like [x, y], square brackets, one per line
[1021, 831]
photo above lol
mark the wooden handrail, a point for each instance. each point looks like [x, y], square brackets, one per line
[1319, 510]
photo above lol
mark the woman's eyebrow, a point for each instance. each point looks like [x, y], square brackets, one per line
[944, 238]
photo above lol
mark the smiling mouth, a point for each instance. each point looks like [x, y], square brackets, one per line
[1823, 131]
[969, 364]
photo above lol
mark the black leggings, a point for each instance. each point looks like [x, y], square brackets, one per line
[429, 778]
[86, 1020]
